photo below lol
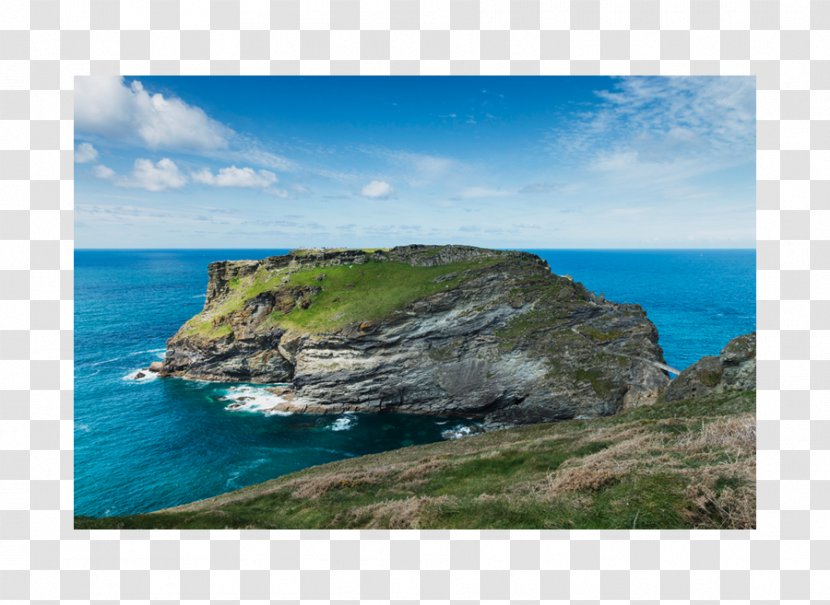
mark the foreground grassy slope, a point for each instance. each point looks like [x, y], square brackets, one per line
[688, 464]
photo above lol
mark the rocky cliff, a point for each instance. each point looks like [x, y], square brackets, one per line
[449, 330]
[732, 370]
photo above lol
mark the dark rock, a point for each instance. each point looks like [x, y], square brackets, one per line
[139, 375]
[502, 339]
[732, 370]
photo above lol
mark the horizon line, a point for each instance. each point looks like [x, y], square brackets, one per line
[402, 245]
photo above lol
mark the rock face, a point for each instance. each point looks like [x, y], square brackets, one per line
[451, 330]
[732, 370]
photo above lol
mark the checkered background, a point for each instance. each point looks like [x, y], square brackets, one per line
[45, 43]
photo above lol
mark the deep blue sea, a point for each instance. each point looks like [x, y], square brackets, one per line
[149, 444]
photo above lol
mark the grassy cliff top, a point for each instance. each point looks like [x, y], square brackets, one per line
[325, 290]
[687, 464]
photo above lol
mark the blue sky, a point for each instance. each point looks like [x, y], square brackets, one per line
[508, 162]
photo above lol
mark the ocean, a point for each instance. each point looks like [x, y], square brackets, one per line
[141, 445]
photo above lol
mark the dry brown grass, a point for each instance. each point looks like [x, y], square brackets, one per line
[406, 475]
[717, 460]
[732, 503]
[392, 514]
[419, 472]
[316, 486]
[595, 471]
[736, 434]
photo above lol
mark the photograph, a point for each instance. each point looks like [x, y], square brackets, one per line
[414, 302]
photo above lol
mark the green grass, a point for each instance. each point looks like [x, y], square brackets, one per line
[352, 294]
[601, 387]
[344, 294]
[635, 469]
[241, 289]
[600, 336]
[206, 329]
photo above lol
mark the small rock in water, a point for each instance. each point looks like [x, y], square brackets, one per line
[233, 406]
[140, 375]
[156, 366]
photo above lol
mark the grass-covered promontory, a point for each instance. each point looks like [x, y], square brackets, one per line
[683, 464]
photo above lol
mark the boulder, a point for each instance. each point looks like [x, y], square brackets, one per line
[732, 370]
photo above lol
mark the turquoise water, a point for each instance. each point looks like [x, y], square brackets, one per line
[145, 445]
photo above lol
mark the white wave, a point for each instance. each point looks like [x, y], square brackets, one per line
[160, 353]
[459, 431]
[161, 350]
[147, 376]
[246, 398]
[344, 423]
[100, 363]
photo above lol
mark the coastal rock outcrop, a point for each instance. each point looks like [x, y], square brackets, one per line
[732, 370]
[452, 330]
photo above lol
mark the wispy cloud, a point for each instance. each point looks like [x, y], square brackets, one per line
[417, 168]
[541, 188]
[248, 149]
[478, 192]
[660, 120]
[125, 214]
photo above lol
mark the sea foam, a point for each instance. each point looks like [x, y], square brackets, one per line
[457, 432]
[133, 376]
[344, 423]
[247, 398]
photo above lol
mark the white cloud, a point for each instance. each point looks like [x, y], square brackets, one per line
[377, 190]
[162, 175]
[232, 176]
[106, 106]
[85, 153]
[103, 172]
